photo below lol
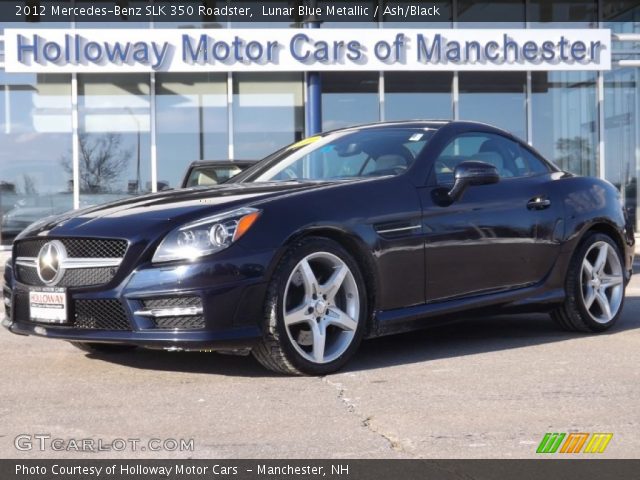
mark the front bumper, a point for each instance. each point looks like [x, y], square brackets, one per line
[230, 292]
[232, 339]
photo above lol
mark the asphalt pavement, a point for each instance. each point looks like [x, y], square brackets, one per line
[480, 388]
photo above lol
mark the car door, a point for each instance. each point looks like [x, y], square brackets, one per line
[495, 237]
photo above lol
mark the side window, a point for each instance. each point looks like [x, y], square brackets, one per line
[534, 164]
[461, 148]
[510, 159]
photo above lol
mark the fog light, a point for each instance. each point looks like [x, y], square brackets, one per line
[169, 312]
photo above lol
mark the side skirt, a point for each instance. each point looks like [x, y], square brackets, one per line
[530, 299]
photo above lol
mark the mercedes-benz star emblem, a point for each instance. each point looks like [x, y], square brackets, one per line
[50, 261]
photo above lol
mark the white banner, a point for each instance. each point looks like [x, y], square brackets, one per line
[297, 50]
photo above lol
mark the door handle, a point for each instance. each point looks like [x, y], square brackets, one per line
[538, 203]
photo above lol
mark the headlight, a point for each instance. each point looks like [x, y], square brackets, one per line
[206, 236]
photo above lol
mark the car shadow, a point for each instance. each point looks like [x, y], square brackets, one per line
[210, 363]
[465, 337]
[475, 336]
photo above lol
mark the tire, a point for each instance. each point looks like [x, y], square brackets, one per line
[102, 347]
[590, 284]
[321, 332]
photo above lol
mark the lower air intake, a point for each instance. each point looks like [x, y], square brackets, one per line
[101, 315]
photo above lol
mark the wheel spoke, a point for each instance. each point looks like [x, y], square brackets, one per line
[330, 287]
[319, 333]
[308, 278]
[589, 297]
[601, 260]
[603, 302]
[340, 319]
[609, 281]
[587, 267]
[297, 315]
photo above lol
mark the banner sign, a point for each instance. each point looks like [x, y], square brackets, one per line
[299, 50]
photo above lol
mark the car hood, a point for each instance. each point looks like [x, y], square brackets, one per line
[161, 211]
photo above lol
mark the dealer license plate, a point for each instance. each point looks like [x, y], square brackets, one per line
[48, 305]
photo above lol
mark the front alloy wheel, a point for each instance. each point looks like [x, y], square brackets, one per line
[315, 310]
[321, 319]
[594, 286]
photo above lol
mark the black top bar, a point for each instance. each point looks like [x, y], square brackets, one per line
[216, 13]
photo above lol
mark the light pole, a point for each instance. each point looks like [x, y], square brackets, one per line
[137, 148]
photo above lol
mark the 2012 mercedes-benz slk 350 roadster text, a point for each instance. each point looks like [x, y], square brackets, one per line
[350, 234]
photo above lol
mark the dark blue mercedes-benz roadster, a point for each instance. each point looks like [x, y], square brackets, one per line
[350, 234]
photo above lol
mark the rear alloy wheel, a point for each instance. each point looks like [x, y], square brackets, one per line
[316, 310]
[595, 287]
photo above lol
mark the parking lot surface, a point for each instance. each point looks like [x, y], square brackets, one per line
[480, 388]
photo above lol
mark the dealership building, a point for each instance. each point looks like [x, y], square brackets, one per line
[73, 134]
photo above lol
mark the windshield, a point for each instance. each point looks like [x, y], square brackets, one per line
[344, 154]
[207, 175]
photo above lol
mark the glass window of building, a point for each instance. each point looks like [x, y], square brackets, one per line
[349, 98]
[417, 95]
[575, 13]
[564, 119]
[622, 133]
[495, 98]
[35, 140]
[192, 122]
[268, 112]
[474, 14]
[621, 17]
[114, 139]
[622, 105]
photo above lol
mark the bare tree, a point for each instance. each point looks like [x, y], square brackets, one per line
[574, 154]
[29, 185]
[102, 161]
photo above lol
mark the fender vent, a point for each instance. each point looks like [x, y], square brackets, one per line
[398, 229]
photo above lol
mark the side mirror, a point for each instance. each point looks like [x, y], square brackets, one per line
[472, 172]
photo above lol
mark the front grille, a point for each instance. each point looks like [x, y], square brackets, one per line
[76, 247]
[182, 322]
[28, 276]
[77, 277]
[100, 315]
[89, 314]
